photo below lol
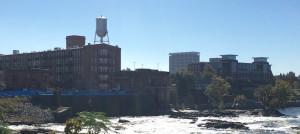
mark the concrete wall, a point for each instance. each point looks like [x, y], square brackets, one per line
[112, 105]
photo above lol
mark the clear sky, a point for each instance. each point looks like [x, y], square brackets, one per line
[148, 30]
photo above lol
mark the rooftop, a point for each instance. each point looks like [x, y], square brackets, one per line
[192, 52]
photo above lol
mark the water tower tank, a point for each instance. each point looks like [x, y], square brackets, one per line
[101, 26]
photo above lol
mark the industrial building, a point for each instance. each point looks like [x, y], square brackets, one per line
[180, 61]
[84, 67]
[140, 79]
[27, 78]
[78, 67]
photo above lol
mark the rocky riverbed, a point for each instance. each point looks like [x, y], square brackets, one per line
[194, 122]
[228, 121]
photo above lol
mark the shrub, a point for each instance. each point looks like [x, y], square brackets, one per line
[73, 126]
[239, 99]
[94, 122]
[4, 129]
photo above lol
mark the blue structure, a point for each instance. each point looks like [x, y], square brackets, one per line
[37, 92]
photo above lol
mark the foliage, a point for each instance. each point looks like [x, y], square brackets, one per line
[173, 95]
[2, 116]
[73, 126]
[4, 129]
[296, 94]
[184, 82]
[208, 71]
[282, 94]
[11, 104]
[274, 97]
[216, 90]
[94, 122]
[296, 85]
[290, 78]
[239, 99]
[264, 94]
[2, 85]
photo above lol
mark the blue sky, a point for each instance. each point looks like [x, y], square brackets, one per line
[148, 30]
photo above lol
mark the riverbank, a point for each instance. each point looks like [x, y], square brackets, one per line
[28, 116]
[191, 121]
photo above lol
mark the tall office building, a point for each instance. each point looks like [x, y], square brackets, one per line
[180, 61]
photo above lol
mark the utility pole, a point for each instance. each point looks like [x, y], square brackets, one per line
[134, 65]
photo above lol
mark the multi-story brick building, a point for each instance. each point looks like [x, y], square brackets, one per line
[140, 79]
[243, 76]
[23, 78]
[81, 67]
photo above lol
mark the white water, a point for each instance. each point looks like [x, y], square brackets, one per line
[166, 125]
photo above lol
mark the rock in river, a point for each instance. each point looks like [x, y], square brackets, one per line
[224, 124]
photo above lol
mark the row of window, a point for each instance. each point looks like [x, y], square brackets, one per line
[102, 69]
[102, 61]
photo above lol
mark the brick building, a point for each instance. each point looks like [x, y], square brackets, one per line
[24, 78]
[244, 77]
[140, 79]
[81, 67]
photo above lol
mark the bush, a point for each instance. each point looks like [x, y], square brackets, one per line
[274, 97]
[94, 122]
[239, 99]
[11, 105]
[2, 116]
[73, 126]
[4, 129]
[53, 132]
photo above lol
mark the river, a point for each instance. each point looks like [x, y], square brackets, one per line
[165, 125]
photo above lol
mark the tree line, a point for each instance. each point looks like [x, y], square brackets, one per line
[273, 96]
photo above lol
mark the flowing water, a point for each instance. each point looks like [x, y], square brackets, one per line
[166, 125]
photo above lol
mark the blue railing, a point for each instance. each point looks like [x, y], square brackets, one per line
[37, 92]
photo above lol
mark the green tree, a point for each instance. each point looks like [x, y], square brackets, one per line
[2, 85]
[94, 122]
[184, 81]
[290, 77]
[264, 94]
[239, 99]
[4, 129]
[282, 94]
[73, 126]
[173, 95]
[296, 85]
[216, 90]
[208, 71]
[274, 97]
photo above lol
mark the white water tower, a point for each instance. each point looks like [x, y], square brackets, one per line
[101, 29]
